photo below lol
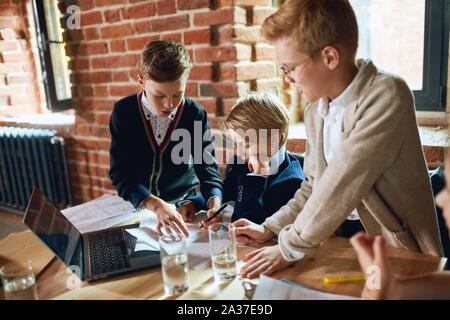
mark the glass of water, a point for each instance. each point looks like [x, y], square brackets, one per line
[18, 281]
[222, 241]
[174, 263]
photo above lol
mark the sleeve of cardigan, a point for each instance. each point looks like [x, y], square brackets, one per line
[120, 159]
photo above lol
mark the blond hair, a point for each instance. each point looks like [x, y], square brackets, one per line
[165, 60]
[314, 24]
[259, 110]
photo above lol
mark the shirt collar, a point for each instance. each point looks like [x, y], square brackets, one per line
[152, 112]
[345, 97]
[276, 160]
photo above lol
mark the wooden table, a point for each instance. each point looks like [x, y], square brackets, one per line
[335, 258]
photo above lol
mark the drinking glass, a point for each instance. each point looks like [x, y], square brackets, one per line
[18, 281]
[174, 263]
[222, 241]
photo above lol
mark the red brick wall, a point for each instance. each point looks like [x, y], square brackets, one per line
[222, 36]
[225, 47]
[20, 89]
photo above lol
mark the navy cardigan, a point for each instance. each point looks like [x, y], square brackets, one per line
[139, 167]
[257, 197]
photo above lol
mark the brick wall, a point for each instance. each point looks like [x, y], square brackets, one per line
[222, 36]
[20, 88]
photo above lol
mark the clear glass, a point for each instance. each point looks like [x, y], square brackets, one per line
[222, 241]
[18, 281]
[391, 34]
[60, 68]
[174, 263]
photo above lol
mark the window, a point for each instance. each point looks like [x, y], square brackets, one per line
[409, 38]
[54, 62]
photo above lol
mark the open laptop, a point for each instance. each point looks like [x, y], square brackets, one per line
[98, 254]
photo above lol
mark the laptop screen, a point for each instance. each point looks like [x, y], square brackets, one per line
[54, 229]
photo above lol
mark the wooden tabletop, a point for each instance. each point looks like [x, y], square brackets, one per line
[335, 258]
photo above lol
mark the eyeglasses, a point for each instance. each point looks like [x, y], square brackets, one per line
[287, 71]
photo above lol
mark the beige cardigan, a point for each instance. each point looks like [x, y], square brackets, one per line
[380, 170]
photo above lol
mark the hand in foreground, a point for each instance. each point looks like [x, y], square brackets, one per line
[247, 232]
[214, 204]
[167, 216]
[264, 261]
[187, 211]
[372, 256]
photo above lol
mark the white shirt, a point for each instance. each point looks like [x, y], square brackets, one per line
[332, 113]
[160, 125]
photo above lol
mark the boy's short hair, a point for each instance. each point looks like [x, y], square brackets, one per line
[165, 60]
[314, 24]
[259, 110]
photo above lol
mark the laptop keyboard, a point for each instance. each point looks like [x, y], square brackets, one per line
[108, 252]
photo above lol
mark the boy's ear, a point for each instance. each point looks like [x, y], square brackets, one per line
[331, 57]
[141, 81]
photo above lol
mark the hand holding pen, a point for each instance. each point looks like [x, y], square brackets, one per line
[205, 223]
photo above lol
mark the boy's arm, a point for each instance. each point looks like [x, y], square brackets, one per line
[207, 170]
[121, 162]
[365, 153]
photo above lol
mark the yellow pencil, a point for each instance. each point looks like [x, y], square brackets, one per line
[344, 279]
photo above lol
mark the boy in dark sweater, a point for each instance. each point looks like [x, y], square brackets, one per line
[161, 144]
[262, 176]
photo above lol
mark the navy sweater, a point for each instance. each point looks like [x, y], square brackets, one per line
[139, 167]
[258, 197]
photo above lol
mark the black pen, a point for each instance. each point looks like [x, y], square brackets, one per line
[215, 214]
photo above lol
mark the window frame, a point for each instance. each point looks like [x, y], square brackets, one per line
[432, 97]
[45, 59]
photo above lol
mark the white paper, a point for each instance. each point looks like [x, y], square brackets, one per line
[101, 213]
[272, 289]
[199, 253]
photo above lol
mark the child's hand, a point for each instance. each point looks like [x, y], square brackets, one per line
[259, 164]
[248, 232]
[372, 256]
[167, 216]
[187, 211]
[214, 204]
[210, 213]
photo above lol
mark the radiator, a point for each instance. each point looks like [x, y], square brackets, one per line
[29, 158]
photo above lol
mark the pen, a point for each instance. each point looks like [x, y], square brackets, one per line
[344, 279]
[215, 214]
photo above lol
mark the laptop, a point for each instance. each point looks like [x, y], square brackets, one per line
[93, 255]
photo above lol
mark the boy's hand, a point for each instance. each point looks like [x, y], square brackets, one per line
[266, 261]
[259, 164]
[247, 232]
[214, 204]
[372, 254]
[167, 216]
[187, 211]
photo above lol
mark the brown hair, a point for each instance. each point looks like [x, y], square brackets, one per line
[259, 110]
[165, 60]
[314, 24]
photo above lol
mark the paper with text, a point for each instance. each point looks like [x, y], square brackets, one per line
[101, 213]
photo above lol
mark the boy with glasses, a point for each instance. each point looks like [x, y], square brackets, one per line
[364, 162]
